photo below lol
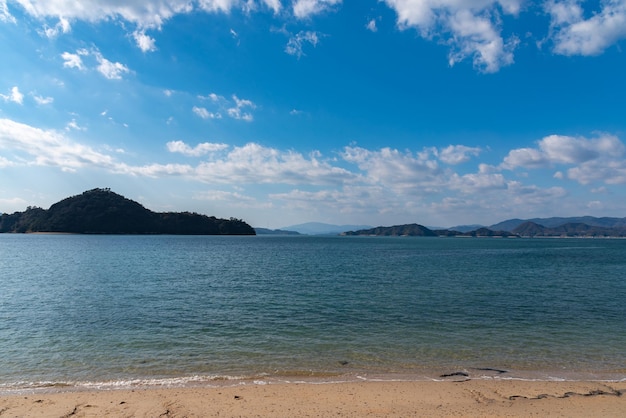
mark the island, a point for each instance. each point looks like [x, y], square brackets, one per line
[416, 230]
[101, 211]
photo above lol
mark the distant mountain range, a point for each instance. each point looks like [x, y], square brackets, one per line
[556, 227]
[605, 222]
[101, 211]
[318, 228]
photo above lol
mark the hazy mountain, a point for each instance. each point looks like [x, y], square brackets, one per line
[266, 231]
[463, 228]
[318, 228]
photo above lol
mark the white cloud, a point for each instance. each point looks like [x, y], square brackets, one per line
[275, 5]
[5, 16]
[232, 199]
[40, 100]
[205, 114]
[49, 148]
[144, 42]
[255, 164]
[559, 149]
[573, 34]
[306, 8]
[457, 154]
[5, 162]
[73, 125]
[72, 61]
[403, 172]
[477, 182]
[197, 151]
[63, 26]
[297, 42]
[237, 112]
[597, 159]
[110, 70]
[14, 96]
[371, 26]
[470, 27]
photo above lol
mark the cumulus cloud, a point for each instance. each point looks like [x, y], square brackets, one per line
[560, 149]
[573, 34]
[471, 28]
[255, 164]
[72, 61]
[404, 172]
[197, 151]
[14, 96]
[595, 159]
[306, 8]
[108, 69]
[457, 154]
[144, 42]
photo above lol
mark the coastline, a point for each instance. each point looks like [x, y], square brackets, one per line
[488, 397]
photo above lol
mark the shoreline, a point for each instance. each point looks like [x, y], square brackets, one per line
[473, 397]
[454, 375]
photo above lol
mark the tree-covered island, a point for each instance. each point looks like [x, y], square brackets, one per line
[101, 211]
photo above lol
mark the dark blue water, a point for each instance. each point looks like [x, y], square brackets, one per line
[120, 310]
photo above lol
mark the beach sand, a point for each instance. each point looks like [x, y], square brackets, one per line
[470, 398]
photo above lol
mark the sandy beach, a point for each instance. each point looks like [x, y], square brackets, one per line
[470, 398]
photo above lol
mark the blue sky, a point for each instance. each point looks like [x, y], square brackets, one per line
[440, 112]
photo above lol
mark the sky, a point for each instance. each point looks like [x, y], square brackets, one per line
[280, 112]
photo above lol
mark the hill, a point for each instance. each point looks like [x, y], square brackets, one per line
[415, 230]
[101, 211]
[410, 230]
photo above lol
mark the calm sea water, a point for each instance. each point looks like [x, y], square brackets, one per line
[118, 311]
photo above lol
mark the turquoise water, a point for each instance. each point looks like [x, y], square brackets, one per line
[116, 311]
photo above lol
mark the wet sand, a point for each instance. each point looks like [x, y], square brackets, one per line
[469, 398]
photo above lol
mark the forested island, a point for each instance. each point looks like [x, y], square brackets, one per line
[415, 230]
[101, 211]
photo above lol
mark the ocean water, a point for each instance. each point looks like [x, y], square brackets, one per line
[85, 311]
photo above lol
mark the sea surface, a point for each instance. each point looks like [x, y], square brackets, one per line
[103, 311]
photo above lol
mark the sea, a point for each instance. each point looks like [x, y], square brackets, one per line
[83, 312]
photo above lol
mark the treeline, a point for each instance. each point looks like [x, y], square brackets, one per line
[101, 211]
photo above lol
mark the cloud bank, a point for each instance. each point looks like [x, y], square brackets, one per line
[435, 181]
